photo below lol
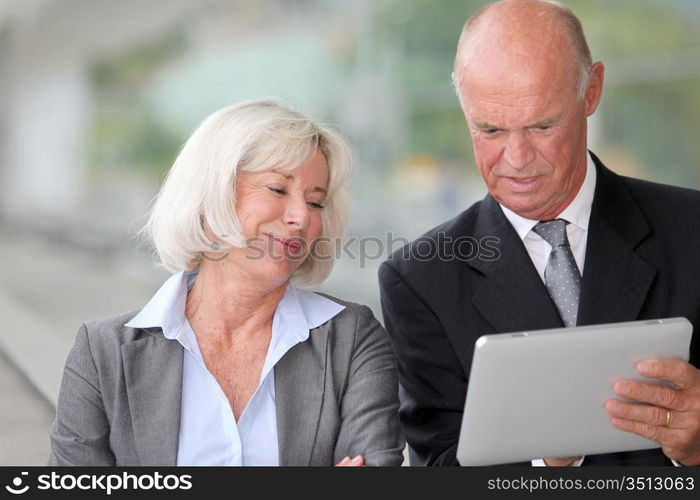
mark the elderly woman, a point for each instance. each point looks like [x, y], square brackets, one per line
[232, 362]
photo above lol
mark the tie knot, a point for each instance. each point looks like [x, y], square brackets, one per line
[553, 232]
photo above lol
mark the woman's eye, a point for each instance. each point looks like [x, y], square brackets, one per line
[277, 189]
[316, 205]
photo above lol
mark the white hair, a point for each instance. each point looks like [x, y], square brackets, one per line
[194, 212]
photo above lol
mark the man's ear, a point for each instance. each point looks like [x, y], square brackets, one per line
[595, 87]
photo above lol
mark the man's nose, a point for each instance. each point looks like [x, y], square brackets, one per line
[518, 151]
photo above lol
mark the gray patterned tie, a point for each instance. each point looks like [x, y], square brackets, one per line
[561, 276]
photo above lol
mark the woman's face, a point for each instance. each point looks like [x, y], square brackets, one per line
[280, 213]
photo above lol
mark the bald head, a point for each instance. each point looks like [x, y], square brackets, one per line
[527, 92]
[517, 34]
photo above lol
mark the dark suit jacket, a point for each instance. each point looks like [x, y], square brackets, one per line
[641, 263]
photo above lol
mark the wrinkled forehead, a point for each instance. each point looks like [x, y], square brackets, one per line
[516, 95]
[520, 77]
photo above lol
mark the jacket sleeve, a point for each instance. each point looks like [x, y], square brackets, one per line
[432, 382]
[80, 432]
[369, 405]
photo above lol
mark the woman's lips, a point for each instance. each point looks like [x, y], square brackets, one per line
[292, 245]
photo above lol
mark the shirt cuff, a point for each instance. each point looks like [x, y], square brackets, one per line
[539, 462]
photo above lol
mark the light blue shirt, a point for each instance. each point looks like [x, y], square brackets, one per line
[209, 433]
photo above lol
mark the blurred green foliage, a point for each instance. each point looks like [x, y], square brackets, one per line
[126, 133]
[653, 117]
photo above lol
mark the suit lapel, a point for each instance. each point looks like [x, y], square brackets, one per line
[153, 376]
[512, 296]
[616, 280]
[299, 383]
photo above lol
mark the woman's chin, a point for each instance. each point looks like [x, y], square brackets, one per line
[276, 272]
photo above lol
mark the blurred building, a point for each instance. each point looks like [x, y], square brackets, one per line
[96, 97]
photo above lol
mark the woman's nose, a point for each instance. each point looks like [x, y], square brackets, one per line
[297, 212]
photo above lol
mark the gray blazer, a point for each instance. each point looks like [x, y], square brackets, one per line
[336, 395]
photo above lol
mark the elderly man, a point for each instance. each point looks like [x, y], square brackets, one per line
[627, 248]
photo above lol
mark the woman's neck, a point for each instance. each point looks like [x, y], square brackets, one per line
[224, 306]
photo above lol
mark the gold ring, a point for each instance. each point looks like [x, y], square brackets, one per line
[668, 418]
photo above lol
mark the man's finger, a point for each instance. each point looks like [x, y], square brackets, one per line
[662, 435]
[653, 415]
[654, 394]
[683, 374]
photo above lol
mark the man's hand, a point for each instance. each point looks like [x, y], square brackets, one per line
[358, 461]
[560, 462]
[671, 416]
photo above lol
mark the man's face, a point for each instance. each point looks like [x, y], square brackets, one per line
[528, 127]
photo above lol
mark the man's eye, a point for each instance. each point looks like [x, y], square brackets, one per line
[544, 127]
[276, 189]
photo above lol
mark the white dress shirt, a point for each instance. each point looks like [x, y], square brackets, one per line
[577, 214]
[209, 433]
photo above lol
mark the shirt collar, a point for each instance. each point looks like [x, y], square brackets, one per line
[577, 213]
[297, 313]
[166, 309]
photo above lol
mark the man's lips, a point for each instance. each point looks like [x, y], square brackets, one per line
[523, 179]
[524, 184]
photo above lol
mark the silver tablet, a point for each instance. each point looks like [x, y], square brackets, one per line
[541, 393]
